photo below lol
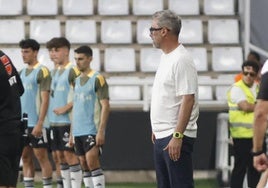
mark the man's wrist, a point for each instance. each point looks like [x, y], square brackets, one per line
[178, 135]
[256, 153]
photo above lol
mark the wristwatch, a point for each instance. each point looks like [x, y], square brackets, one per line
[177, 135]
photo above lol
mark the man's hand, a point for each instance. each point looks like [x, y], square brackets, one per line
[60, 110]
[260, 162]
[174, 148]
[37, 131]
[153, 138]
[100, 138]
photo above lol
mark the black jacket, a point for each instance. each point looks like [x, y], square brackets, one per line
[11, 89]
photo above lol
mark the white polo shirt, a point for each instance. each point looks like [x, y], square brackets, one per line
[176, 76]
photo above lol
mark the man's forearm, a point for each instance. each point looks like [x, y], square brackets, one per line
[185, 113]
[259, 125]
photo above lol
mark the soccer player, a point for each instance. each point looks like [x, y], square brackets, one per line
[90, 114]
[36, 81]
[60, 106]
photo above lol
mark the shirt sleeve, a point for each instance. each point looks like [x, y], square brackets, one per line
[101, 87]
[44, 79]
[185, 77]
[237, 95]
[74, 73]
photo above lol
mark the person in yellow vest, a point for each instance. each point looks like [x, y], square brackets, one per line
[241, 101]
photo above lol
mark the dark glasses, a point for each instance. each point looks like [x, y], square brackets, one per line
[250, 74]
[152, 29]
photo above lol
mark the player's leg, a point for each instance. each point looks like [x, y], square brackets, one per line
[75, 168]
[28, 167]
[93, 162]
[40, 148]
[57, 166]
[70, 157]
[80, 152]
[87, 179]
[56, 160]
[46, 168]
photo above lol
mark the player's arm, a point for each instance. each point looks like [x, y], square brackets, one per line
[74, 72]
[44, 80]
[261, 114]
[260, 125]
[103, 96]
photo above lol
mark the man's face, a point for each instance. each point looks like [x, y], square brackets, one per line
[155, 32]
[59, 55]
[29, 56]
[82, 61]
[249, 75]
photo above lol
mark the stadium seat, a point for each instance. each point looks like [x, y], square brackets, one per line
[11, 31]
[221, 93]
[96, 64]
[124, 92]
[146, 7]
[143, 33]
[200, 58]
[116, 31]
[44, 30]
[227, 77]
[77, 7]
[228, 59]
[223, 31]
[44, 59]
[11, 7]
[150, 87]
[15, 55]
[81, 31]
[219, 7]
[42, 7]
[205, 93]
[119, 60]
[113, 7]
[182, 7]
[192, 31]
[149, 59]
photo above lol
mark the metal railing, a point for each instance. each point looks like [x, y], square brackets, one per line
[145, 84]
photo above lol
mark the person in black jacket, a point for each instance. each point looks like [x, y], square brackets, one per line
[10, 122]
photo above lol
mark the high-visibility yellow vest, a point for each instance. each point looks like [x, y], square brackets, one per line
[241, 121]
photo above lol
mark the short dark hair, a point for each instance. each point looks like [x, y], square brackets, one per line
[252, 64]
[256, 55]
[84, 50]
[58, 42]
[29, 43]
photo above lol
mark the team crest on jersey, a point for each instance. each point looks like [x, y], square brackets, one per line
[4, 59]
[66, 137]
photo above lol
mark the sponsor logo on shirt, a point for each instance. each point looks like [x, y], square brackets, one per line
[4, 59]
[12, 80]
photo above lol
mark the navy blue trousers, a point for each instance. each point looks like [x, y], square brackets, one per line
[174, 174]
[243, 164]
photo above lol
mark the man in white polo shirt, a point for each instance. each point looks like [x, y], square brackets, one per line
[174, 105]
